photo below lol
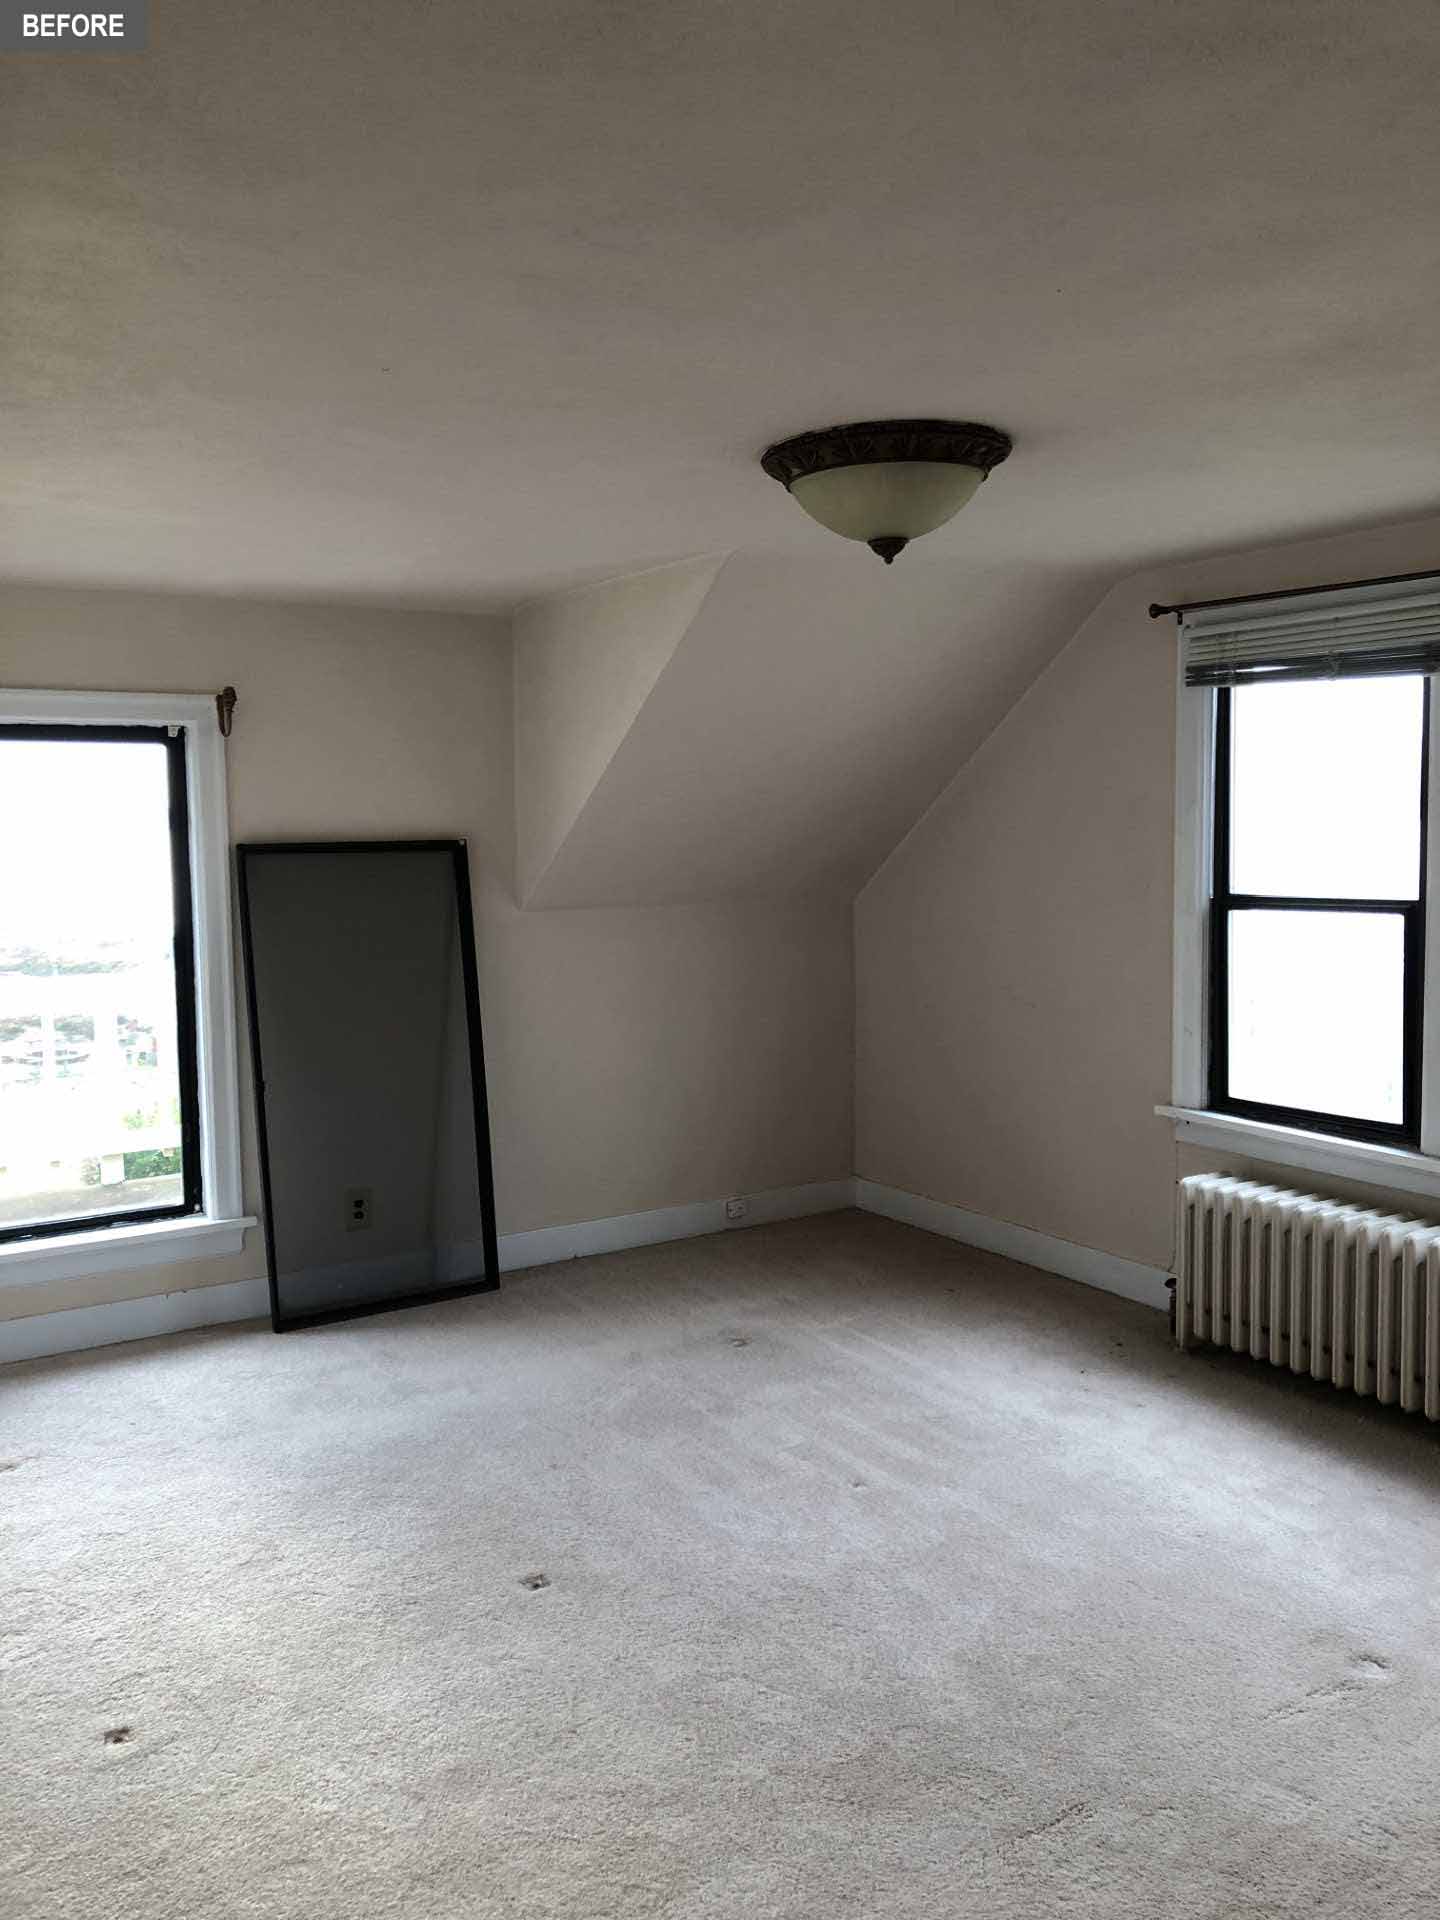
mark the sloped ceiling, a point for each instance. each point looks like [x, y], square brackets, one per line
[804, 717]
[585, 663]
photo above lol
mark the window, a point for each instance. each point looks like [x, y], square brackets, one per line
[99, 1098]
[118, 1124]
[1318, 904]
[1307, 891]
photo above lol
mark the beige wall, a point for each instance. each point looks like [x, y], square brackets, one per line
[584, 664]
[1012, 961]
[1011, 987]
[1013, 955]
[637, 1059]
[809, 713]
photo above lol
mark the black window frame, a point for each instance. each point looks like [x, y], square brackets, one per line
[172, 739]
[1224, 903]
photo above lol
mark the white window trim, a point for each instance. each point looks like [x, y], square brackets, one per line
[221, 1228]
[1400, 1168]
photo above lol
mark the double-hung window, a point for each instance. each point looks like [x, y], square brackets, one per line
[1303, 882]
[118, 1137]
[1317, 954]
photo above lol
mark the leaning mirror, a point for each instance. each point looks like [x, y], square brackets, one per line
[369, 1075]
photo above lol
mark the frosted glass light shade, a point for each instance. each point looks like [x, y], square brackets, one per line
[888, 498]
[884, 482]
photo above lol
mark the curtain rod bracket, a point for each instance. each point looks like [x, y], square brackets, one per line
[225, 710]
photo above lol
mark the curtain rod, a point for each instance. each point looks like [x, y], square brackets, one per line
[1290, 593]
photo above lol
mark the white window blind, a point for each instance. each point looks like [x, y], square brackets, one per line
[1332, 633]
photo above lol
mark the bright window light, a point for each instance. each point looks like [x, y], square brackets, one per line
[1326, 787]
[1319, 906]
[95, 1075]
[1317, 1004]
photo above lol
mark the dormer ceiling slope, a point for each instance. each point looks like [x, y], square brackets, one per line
[804, 713]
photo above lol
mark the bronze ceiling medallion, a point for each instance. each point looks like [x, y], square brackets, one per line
[962, 443]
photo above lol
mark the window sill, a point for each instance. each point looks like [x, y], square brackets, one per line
[1399, 1168]
[68, 1256]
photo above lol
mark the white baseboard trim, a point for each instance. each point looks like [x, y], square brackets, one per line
[1107, 1271]
[545, 1245]
[76, 1328]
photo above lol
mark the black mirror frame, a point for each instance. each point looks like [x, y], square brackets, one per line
[245, 852]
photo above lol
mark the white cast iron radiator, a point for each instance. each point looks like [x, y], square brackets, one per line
[1337, 1291]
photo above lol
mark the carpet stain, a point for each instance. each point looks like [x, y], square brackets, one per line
[534, 1581]
[739, 1340]
[1077, 1811]
[118, 1736]
[9, 1466]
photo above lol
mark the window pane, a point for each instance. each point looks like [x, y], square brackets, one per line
[89, 1073]
[1317, 1011]
[1325, 792]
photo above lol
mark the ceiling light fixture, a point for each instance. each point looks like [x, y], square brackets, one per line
[886, 481]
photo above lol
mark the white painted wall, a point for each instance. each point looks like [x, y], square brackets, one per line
[1013, 955]
[637, 1059]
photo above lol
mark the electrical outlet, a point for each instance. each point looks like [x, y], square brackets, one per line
[357, 1208]
[736, 1209]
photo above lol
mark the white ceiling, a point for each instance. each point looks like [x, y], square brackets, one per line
[456, 304]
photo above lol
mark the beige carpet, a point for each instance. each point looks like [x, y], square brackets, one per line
[880, 1578]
